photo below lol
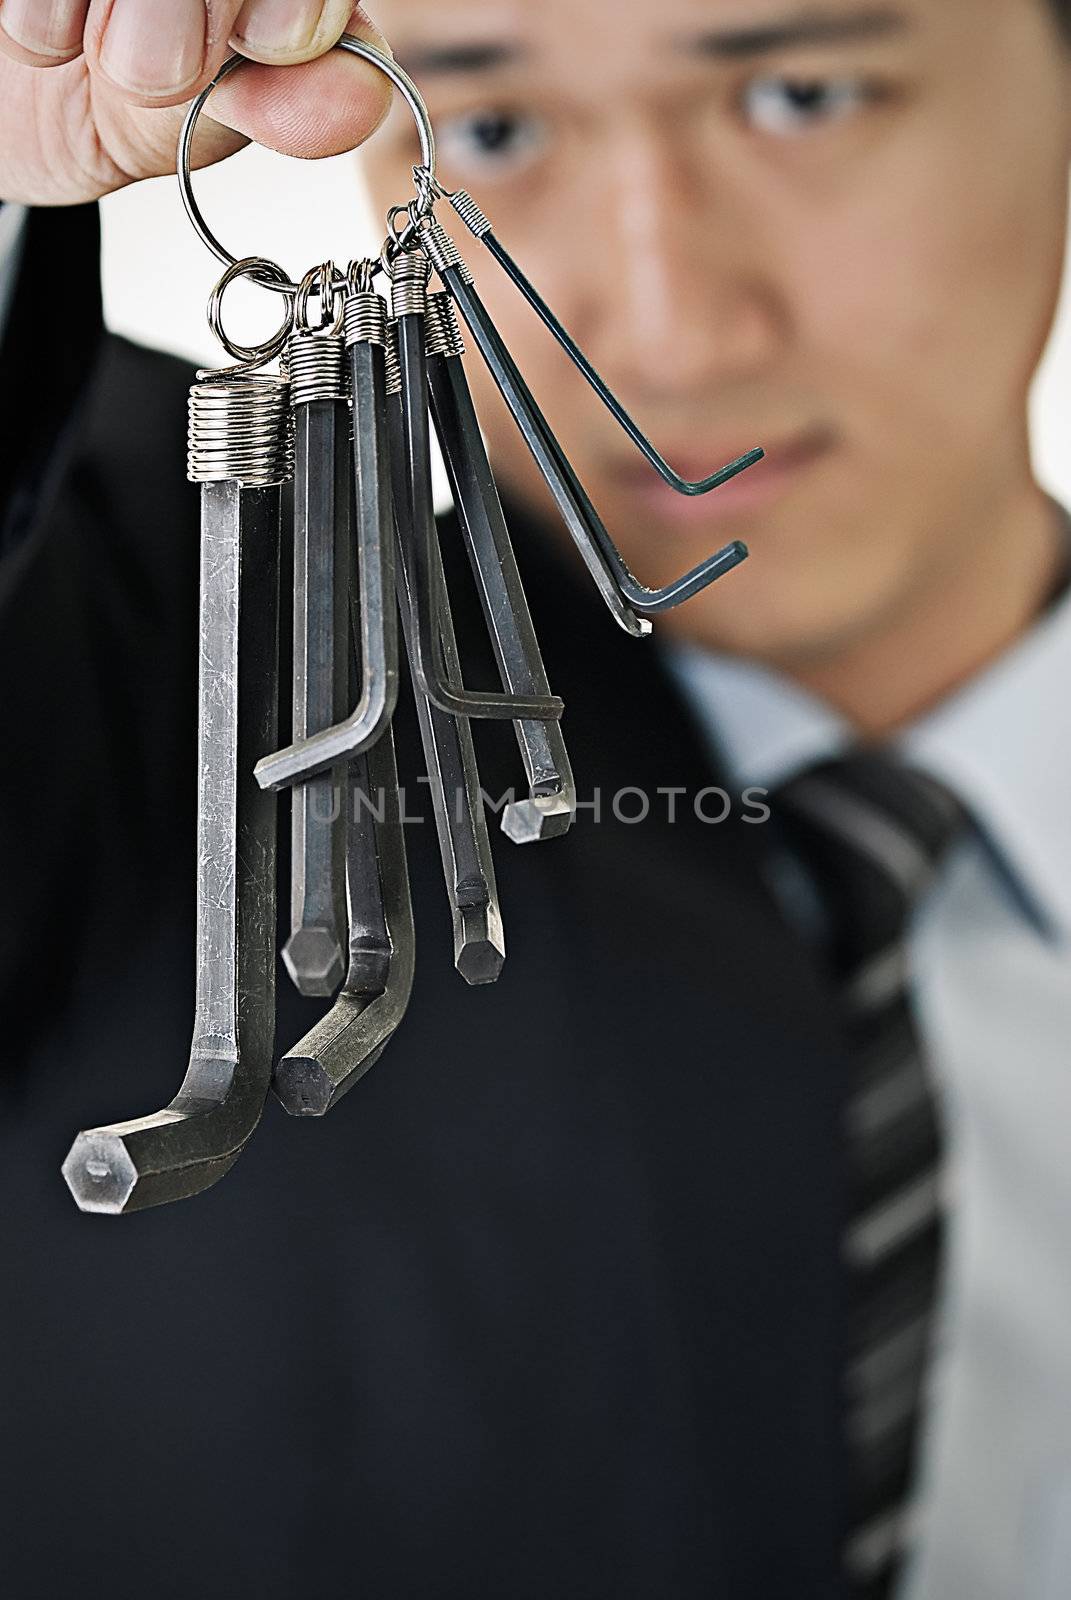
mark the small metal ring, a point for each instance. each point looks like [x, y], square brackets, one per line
[329, 286]
[266, 274]
[356, 47]
[399, 240]
[361, 275]
[428, 188]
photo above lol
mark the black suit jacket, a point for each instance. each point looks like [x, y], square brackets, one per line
[550, 1304]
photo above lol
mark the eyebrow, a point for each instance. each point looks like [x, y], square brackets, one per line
[728, 44]
[811, 27]
[430, 60]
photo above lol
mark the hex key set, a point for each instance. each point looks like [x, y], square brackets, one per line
[342, 427]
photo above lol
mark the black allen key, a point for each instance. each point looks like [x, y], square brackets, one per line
[549, 807]
[438, 680]
[449, 752]
[339, 1049]
[313, 952]
[377, 617]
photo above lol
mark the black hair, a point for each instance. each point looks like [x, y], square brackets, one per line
[1062, 10]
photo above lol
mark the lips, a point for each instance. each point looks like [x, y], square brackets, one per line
[782, 447]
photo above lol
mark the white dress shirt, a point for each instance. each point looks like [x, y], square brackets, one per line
[990, 961]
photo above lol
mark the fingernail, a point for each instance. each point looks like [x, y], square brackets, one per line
[370, 30]
[281, 28]
[155, 49]
[46, 27]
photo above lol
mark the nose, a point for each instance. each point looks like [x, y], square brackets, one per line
[677, 296]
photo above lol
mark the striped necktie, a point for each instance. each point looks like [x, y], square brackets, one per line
[872, 833]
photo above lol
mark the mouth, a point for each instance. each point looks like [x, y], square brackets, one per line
[787, 461]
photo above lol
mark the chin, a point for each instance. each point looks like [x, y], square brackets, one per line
[770, 615]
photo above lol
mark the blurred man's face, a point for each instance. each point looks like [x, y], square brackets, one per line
[831, 228]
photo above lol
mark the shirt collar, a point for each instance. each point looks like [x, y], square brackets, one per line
[1000, 744]
[759, 724]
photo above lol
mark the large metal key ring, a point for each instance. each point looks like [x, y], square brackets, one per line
[355, 47]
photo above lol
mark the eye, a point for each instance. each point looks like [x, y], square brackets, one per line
[787, 106]
[490, 141]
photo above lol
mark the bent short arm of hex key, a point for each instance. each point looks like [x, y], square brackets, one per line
[369, 936]
[532, 426]
[438, 681]
[450, 756]
[191, 1143]
[648, 602]
[550, 806]
[333, 1055]
[375, 568]
[637, 595]
[686, 486]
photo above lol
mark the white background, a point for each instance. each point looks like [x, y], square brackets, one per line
[157, 274]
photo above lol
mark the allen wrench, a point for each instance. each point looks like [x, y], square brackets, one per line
[646, 601]
[339, 1049]
[620, 588]
[439, 681]
[239, 453]
[551, 804]
[322, 532]
[532, 426]
[482, 229]
[364, 315]
[449, 752]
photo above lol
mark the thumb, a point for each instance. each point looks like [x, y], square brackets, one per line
[321, 103]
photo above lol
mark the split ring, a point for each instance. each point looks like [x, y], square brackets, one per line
[328, 285]
[356, 47]
[267, 275]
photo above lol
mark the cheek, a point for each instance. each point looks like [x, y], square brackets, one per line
[932, 327]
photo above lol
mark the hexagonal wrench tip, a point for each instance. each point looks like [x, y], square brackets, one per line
[540, 817]
[479, 943]
[313, 958]
[303, 1086]
[100, 1172]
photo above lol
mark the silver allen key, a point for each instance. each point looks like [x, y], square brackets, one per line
[239, 454]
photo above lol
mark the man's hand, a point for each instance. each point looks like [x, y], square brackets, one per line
[93, 92]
